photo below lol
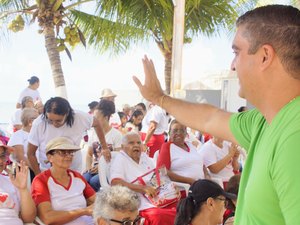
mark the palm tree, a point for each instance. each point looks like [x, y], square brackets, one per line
[52, 16]
[120, 24]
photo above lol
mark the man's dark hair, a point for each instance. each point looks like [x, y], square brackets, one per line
[92, 105]
[278, 26]
[106, 107]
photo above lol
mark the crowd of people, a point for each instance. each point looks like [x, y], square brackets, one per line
[47, 178]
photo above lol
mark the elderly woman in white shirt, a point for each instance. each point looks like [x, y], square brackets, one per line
[181, 158]
[19, 139]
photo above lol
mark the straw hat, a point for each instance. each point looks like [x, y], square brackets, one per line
[107, 93]
[61, 143]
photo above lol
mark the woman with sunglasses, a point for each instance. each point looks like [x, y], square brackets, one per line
[205, 204]
[117, 205]
[16, 204]
[62, 196]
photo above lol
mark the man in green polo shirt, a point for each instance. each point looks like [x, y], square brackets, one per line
[267, 62]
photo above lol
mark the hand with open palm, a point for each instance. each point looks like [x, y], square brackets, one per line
[20, 179]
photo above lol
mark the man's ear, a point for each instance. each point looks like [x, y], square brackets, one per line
[267, 56]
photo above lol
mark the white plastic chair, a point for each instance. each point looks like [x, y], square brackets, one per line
[104, 170]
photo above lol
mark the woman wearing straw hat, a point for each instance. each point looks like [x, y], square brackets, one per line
[62, 195]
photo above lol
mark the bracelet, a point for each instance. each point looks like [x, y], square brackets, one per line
[162, 100]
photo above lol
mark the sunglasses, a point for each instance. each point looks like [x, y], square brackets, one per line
[137, 221]
[225, 200]
[65, 153]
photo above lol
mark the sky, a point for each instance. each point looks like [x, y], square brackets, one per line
[23, 55]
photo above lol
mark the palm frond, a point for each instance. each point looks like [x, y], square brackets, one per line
[13, 4]
[104, 34]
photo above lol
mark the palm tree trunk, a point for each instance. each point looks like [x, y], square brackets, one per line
[54, 58]
[168, 71]
[166, 50]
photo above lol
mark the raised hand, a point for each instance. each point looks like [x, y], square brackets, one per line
[20, 179]
[106, 153]
[151, 90]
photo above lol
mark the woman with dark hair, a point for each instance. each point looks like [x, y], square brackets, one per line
[135, 121]
[205, 204]
[184, 164]
[113, 138]
[31, 90]
[142, 107]
[232, 187]
[60, 120]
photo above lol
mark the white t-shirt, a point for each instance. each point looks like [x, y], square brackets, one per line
[185, 163]
[20, 137]
[125, 168]
[157, 115]
[16, 118]
[115, 120]
[42, 132]
[113, 138]
[35, 94]
[46, 189]
[9, 202]
[211, 154]
[131, 127]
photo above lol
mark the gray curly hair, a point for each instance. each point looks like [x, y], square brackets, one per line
[115, 198]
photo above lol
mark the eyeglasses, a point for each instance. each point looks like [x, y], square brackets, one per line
[223, 199]
[65, 153]
[137, 221]
[178, 131]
